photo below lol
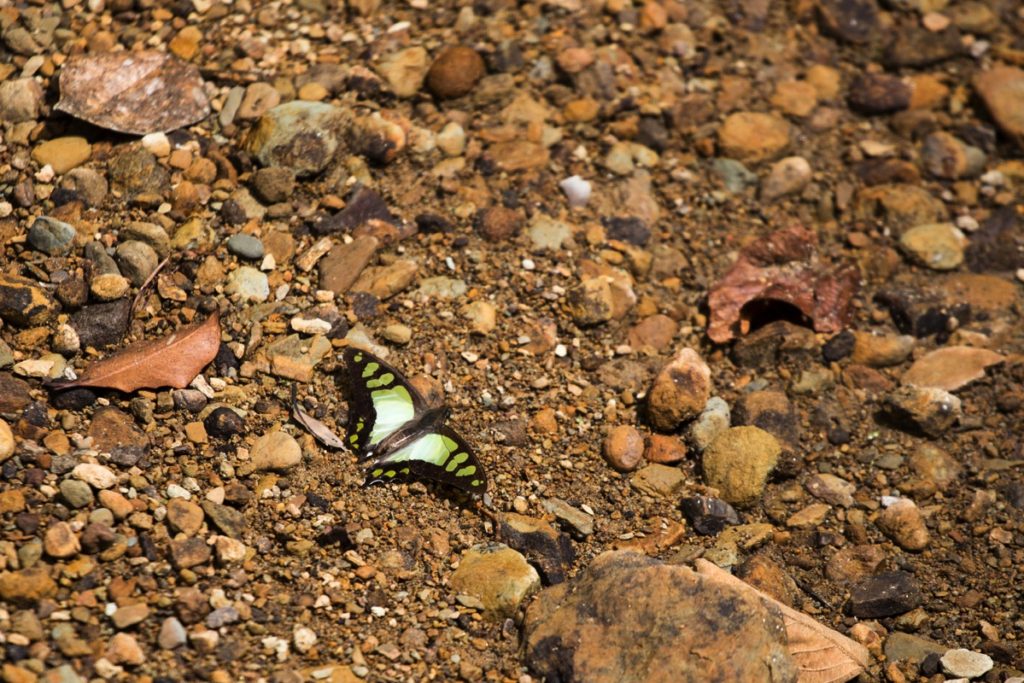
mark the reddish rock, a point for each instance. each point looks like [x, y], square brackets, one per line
[664, 449]
[680, 390]
[623, 447]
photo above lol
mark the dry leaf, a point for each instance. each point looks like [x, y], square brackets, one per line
[318, 429]
[172, 361]
[822, 655]
[133, 92]
[781, 267]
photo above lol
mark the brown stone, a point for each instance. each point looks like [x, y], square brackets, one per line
[498, 223]
[654, 332]
[623, 447]
[664, 449]
[753, 136]
[343, 264]
[455, 72]
[680, 390]
[951, 367]
[1002, 90]
[111, 427]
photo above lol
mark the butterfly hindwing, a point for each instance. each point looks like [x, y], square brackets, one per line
[440, 455]
[381, 401]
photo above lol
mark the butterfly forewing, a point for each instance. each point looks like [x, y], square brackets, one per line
[440, 455]
[381, 401]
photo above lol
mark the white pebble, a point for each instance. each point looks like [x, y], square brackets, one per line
[966, 663]
[528, 264]
[577, 190]
[310, 325]
[304, 639]
[967, 223]
[561, 351]
[157, 144]
[175, 491]
[95, 475]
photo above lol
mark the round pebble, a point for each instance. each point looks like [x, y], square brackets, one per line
[623, 448]
[455, 72]
[136, 260]
[246, 246]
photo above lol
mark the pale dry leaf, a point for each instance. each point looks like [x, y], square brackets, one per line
[318, 429]
[822, 655]
[171, 361]
[133, 92]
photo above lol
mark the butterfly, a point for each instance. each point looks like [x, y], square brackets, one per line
[390, 423]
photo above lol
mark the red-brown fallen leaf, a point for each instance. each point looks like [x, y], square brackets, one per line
[133, 92]
[822, 655]
[782, 268]
[172, 361]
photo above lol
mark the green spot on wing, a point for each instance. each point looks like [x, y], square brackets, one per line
[466, 471]
[370, 369]
[382, 381]
[456, 460]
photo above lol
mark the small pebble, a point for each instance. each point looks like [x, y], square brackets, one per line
[966, 663]
[246, 246]
[624, 447]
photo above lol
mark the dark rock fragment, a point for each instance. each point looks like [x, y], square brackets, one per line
[879, 94]
[102, 325]
[919, 47]
[364, 205]
[853, 21]
[885, 595]
[223, 423]
[546, 548]
[708, 515]
[627, 229]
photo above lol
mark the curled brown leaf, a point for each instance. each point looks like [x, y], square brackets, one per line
[171, 361]
[822, 655]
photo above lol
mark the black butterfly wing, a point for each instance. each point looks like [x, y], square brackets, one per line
[439, 455]
[381, 401]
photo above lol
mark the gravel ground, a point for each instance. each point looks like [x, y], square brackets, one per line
[730, 280]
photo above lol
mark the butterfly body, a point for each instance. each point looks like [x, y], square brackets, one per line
[391, 424]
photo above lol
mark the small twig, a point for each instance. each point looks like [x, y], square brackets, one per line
[807, 588]
[147, 283]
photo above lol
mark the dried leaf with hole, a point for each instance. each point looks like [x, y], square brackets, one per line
[172, 361]
[133, 92]
[318, 429]
[822, 655]
[781, 268]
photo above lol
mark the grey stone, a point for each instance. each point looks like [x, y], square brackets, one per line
[76, 493]
[246, 246]
[51, 236]
[172, 634]
[249, 284]
[137, 261]
[150, 233]
[89, 184]
[20, 100]
[102, 262]
[301, 136]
